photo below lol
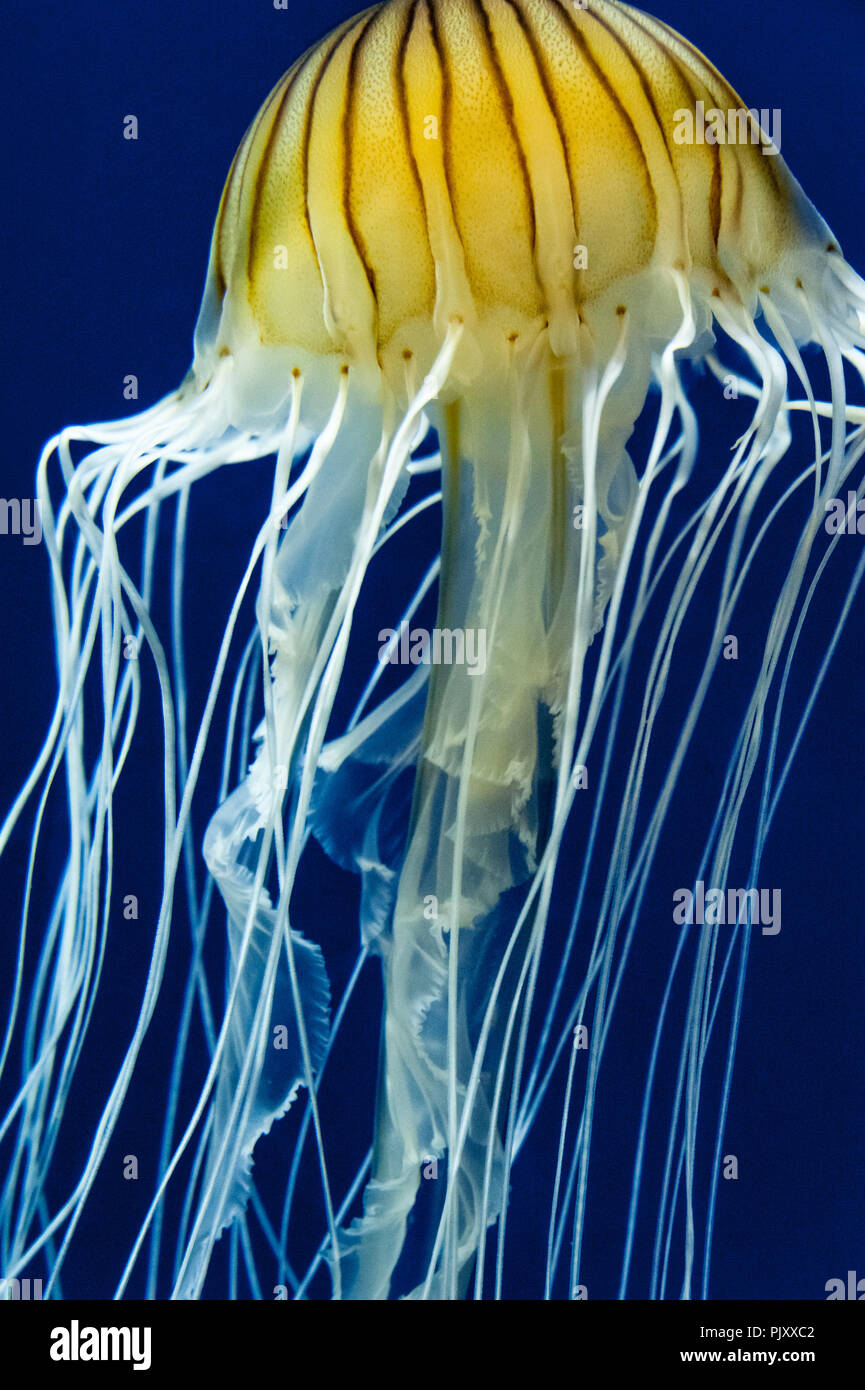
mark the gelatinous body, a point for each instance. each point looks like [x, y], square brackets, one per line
[483, 217]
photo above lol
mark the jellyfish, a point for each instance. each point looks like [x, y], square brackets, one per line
[469, 257]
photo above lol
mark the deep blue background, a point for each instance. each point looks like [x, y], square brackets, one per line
[106, 248]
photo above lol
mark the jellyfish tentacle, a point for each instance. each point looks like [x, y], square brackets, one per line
[78, 949]
[495, 781]
[255, 1084]
[197, 988]
[304, 614]
[98, 482]
[359, 842]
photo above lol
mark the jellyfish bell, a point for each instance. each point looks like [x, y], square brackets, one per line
[472, 216]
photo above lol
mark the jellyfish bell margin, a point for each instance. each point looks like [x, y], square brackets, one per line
[368, 283]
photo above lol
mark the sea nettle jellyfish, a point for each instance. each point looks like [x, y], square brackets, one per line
[486, 241]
